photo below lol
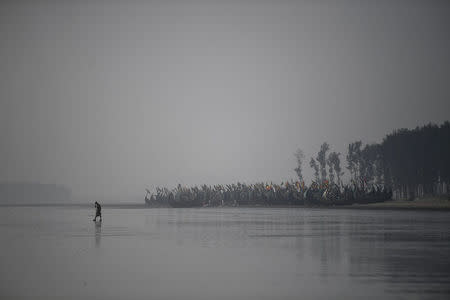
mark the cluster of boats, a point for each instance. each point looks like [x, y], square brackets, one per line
[264, 194]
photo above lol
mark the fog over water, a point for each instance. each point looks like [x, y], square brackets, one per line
[110, 97]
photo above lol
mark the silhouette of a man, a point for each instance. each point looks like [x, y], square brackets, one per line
[98, 211]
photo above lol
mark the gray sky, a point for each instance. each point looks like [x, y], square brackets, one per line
[110, 97]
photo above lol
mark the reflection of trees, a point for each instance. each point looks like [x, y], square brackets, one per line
[408, 254]
[398, 251]
[327, 242]
[403, 253]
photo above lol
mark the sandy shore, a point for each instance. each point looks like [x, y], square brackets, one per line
[436, 203]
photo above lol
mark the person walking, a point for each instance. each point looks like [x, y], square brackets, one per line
[98, 211]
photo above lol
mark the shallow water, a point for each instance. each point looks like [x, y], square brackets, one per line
[223, 253]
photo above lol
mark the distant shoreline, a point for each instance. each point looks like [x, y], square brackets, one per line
[434, 204]
[78, 205]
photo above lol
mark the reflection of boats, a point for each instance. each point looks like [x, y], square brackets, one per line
[183, 201]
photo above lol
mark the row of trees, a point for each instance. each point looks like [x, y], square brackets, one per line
[327, 167]
[408, 163]
[417, 161]
[412, 162]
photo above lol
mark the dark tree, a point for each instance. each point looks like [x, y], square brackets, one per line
[330, 168]
[334, 163]
[322, 160]
[369, 162]
[416, 162]
[353, 159]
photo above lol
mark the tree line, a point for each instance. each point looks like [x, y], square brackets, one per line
[406, 164]
[413, 163]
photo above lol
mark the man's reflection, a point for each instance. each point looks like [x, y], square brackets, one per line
[98, 233]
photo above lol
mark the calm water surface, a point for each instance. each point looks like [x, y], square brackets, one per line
[224, 253]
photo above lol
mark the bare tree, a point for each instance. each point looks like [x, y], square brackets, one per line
[330, 164]
[322, 159]
[299, 155]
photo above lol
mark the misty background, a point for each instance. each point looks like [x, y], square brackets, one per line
[111, 97]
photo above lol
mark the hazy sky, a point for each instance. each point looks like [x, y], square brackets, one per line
[110, 97]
